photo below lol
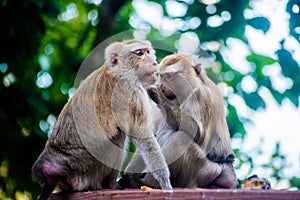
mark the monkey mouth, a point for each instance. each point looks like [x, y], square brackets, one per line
[151, 75]
[151, 78]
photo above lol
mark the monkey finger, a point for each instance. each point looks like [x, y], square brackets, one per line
[168, 190]
[154, 95]
[166, 186]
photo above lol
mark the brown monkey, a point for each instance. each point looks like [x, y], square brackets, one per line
[195, 141]
[256, 183]
[86, 148]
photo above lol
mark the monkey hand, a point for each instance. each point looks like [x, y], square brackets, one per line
[154, 94]
[167, 187]
[163, 179]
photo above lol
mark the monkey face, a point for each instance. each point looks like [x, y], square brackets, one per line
[133, 60]
[177, 75]
[254, 182]
[147, 67]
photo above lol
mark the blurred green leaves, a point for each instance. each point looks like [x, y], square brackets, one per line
[290, 68]
[260, 23]
[295, 182]
[293, 9]
[254, 101]
[260, 61]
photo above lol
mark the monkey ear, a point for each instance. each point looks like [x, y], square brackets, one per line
[198, 68]
[113, 59]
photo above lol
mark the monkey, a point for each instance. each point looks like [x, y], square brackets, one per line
[255, 183]
[86, 148]
[195, 140]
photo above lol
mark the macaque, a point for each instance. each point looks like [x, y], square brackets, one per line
[87, 146]
[195, 139]
[256, 183]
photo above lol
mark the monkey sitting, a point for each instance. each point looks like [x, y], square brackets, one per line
[195, 140]
[86, 148]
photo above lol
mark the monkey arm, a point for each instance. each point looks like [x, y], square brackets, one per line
[179, 119]
[154, 159]
[142, 135]
[136, 164]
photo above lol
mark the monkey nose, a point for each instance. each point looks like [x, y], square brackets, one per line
[153, 61]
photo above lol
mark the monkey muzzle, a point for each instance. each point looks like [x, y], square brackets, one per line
[151, 77]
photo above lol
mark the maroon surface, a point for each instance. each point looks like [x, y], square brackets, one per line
[210, 194]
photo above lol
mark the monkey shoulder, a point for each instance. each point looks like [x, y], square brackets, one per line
[198, 106]
[64, 135]
[140, 106]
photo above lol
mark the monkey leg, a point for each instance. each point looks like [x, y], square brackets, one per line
[188, 163]
[193, 169]
[137, 164]
[46, 192]
[47, 171]
[135, 174]
[109, 181]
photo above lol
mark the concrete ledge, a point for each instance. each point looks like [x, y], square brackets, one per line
[179, 193]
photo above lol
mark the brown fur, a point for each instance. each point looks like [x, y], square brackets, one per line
[197, 130]
[85, 150]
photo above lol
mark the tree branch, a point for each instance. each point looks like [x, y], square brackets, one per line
[107, 13]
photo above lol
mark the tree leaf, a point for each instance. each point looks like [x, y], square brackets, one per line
[234, 123]
[260, 23]
[288, 65]
[295, 182]
[260, 61]
[254, 101]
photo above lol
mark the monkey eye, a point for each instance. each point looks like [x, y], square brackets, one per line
[141, 52]
[138, 52]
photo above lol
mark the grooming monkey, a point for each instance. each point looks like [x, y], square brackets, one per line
[86, 148]
[195, 139]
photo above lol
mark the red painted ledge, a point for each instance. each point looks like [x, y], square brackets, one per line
[212, 194]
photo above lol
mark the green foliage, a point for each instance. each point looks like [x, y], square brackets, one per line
[254, 101]
[295, 182]
[276, 163]
[50, 39]
[260, 23]
[290, 68]
[260, 61]
[237, 127]
[294, 18]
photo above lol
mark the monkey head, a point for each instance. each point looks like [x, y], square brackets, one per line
[133, 60]
[254, 182]
[179, 73]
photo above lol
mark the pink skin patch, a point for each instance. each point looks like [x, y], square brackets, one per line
[52, 168]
